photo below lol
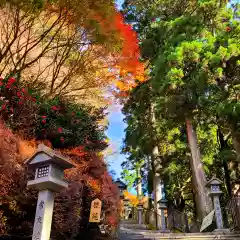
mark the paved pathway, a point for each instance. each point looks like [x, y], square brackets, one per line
[131, 234]
[135, 234]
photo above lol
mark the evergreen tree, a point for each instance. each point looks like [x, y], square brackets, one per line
[192, 49]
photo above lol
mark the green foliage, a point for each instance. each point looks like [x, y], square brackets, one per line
[129, 177]
[67, 124]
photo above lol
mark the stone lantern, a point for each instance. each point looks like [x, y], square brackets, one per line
[215, 192]
[126, 207]
[140, 213]
[163, 207]
[49, 172]
[121, 186]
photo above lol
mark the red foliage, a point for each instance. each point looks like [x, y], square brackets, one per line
[12, 175]
[129, 60]
[91, 169]
[130, 48]
[228, 29]
[55, 108]
[16, 103]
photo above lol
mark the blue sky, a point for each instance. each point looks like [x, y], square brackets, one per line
[119, 3]
[115, 132]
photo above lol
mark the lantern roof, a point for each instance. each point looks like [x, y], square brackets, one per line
[162, 201]
[214, 181]
[121, 184]
[44, 154]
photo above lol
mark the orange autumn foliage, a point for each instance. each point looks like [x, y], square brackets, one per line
[134, 201]
[130, 49]
[125, 65]
[119, 39]
[129, 65]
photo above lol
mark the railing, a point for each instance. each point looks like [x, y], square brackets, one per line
[233, 207]
[175, 220]
[151, 217]
[180, 221]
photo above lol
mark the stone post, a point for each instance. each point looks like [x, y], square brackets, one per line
[43, 216]
[157, 197]
[163, 207]
[126, 208]
[215, 192]
[129, 211]
[140, 213]
[49, 171]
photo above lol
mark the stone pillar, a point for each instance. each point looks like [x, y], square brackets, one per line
[126, 214]
[129, 211]
[43, 217]
[157, 197]
[140, 214]
[126, 208]
[218, 212]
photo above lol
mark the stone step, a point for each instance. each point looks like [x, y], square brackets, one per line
[172, 237]
[131, 221]
[137, 234]
[134, 226]
[195, 237]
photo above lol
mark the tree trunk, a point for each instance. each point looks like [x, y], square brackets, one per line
[236, 142]
[139, 184]
[203, 201]
[156, 166]
[223, 146]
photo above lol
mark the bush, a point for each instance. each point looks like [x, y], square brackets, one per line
[62, 122]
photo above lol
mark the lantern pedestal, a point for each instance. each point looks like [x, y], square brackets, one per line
[140, 213]
[126, 208]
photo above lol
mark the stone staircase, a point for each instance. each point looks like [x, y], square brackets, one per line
[131, 224]
[131, 230]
